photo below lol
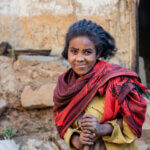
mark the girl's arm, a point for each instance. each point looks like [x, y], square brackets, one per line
[90, 122]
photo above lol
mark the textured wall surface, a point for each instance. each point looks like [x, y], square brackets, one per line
[43, 23]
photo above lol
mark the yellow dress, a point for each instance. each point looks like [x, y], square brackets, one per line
[119, 140]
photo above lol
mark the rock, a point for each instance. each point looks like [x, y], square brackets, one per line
[45, 62]
[142, 72]
[4, 123]
[8, 81]
[62, 144]
[116, 60]
[146, 125]
[3, 105]
[148, 109]
[38, 98]
[34, 60]
[8, 145]
[4, 46]
[33, 144]
[38, 70]
[144, 147]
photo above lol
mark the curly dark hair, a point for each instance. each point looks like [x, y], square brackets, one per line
[103, 41]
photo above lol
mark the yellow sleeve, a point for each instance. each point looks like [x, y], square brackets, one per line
[118, 136]
[67, 137]
[75, 124]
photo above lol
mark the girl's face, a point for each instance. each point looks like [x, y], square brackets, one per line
[81, 55]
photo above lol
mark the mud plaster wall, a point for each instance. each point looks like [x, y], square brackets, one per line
[43, 23]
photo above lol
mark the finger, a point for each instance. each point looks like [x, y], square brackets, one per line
[88, 124]
[88, 128]
[87, 131]
[88, 116]
[85, 141]
[89, 120]
[90, 136]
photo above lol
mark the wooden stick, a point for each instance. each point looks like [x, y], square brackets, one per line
[21, 51]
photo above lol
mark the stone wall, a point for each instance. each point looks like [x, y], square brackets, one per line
[43, 23]
[27, 84]
[26, 101]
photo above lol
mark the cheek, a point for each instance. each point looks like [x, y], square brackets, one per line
[70, 58]
[92, 60]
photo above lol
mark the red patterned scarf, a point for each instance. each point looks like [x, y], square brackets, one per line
[122, 96]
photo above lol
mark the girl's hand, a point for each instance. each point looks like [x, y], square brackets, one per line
[79, 119]
[79, 141]
[86, 138]
[90, 122]
[75, 141]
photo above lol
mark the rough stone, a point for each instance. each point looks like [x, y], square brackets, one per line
[8, 81]
[146, 125]
[142, 72]
[148, 105]
[39, 70]
[38, 98]
[144, 147]
[34, 60]
[3, 105]
[116, 60]
[62, 144]
[8, 145]
[27, 60]
[33, 144]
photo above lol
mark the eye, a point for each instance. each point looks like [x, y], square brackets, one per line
[74, 51]
[88, 51]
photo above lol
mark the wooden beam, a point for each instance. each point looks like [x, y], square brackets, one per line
[22, 51]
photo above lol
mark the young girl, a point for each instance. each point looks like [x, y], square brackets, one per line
[97, 105]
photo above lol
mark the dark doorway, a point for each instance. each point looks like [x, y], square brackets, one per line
[144, 35]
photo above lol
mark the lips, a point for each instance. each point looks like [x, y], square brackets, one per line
[80, 65]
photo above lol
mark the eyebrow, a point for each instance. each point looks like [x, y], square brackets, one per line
[88, 49]
[82, 49]
[74, 48]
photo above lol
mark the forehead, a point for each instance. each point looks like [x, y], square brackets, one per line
[81, 41]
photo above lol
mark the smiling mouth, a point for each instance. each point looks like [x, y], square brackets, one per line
[81, 65]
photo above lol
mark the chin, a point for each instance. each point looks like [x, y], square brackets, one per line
[81, 73]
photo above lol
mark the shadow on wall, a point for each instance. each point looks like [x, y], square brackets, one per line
[144, 35]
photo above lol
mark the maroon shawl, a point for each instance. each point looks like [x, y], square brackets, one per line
[122, 96]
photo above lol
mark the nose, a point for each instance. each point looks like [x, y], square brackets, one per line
[80, 58]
